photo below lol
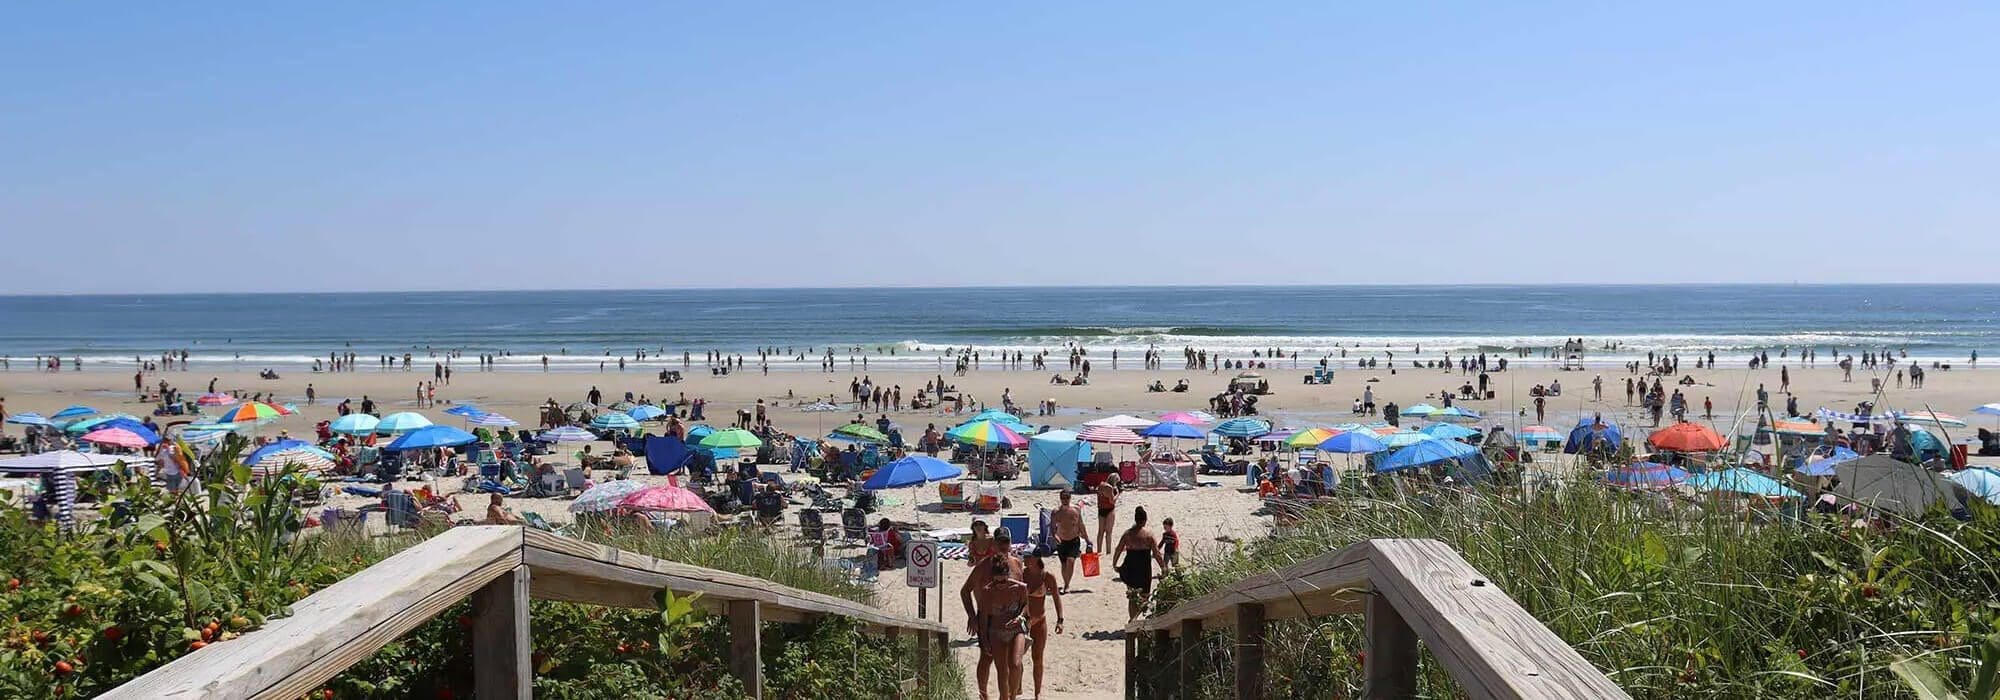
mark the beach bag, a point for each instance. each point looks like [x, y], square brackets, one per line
[1090, 565]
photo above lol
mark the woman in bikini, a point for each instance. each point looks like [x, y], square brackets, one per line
[1042, 584]
[1138, 550]
[1107, 508]
[1003, 626]
[976, 545]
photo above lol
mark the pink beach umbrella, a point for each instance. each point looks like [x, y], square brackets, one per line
[215, 399]
[117, 437]
[1108, 435]
[665, 498]
[1188, 417]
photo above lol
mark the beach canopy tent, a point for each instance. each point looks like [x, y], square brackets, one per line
[1882, 482]
[1686, 437]
[431, 436]
[1928, 417]
[1646, 475]
[1122, 421]
[1983, 482]
[1797, 428]
[64, 461]
[1823, 466]
[1498, 436]
[1241, 428]
[1743, 481]
[354, 424]
[1593, 434]
[914, 470]
[1425, 453]
[1053, 456]
[666, 454]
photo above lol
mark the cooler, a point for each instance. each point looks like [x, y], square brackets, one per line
[1959, 452]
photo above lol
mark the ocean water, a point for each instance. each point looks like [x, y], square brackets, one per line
[578, 328]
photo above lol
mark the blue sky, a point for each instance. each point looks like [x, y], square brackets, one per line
[156, 147]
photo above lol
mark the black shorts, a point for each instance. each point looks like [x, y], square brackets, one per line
[1070, 548]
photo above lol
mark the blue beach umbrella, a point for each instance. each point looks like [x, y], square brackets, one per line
[1420, 410]
[914, 470]
[76, 411]
[1171, 429]
[1447, 431]
[1404, 438]
[1426, 452]
[612, 420]
[1353, 442]
[1741, 481]
[1241, 428]
[354, 424]
[1455, 413]
[646, 412]
[1646, 475]
[89, 424]
[402, 422]
[493, 420]
[273, 458]
[699, 431]
[30, 419]
[431, 436]
[1824, 465]
[567, 433]
[465, 410]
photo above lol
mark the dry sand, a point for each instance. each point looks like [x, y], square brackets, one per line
[1085, 661]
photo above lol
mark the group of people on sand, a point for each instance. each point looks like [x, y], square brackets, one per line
[1006, 596]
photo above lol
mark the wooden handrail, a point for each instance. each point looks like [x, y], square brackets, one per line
[1410, 590]
[499, 567]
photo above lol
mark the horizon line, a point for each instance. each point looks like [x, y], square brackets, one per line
[924, 287]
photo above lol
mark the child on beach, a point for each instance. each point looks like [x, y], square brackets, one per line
[1170, 543]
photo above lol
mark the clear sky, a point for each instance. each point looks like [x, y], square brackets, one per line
[360, 146]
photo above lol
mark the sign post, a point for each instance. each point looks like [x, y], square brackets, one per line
[924, 571]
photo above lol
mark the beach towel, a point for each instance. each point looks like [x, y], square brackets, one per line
[958, 551]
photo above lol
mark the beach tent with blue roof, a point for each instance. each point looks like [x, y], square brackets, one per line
[1053, 456]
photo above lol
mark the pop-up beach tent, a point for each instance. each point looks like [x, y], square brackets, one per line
[1052, 458]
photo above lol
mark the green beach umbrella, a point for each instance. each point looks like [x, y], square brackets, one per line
[733, 438]
[859, 432]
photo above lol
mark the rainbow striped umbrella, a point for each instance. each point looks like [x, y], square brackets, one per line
[1310, 437]
[1539, 433]
[987, 434]
[250, 412]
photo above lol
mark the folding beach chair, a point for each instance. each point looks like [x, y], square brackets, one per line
[951, 495]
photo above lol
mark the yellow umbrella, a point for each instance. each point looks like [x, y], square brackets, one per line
[1310, 437]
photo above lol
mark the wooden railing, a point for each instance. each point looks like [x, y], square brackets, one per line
[1409, 590]
[500, 568]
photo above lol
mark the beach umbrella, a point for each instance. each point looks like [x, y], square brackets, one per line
[215, 399]
[995, 414]
[1801, 428]
[1353, 442]
[733, 438]
[613, 420]
[492, 420]
[698, 431]
[1882, 482]
[1455, 413]
[354, 424]
[1741, 481]
[273, 458]
[402, 422]
[1686, 437]
[986, 434]
[62, 461]
[250, 412]
[1420, 410]
[1405, 438]
[431, 436]
[858, 432]
[1108, 435]
[914, 470]
[73, 412]
[1536, 434]
[646, 412]
[1423, 453]
[623, 406]
[1931, 418]
[605, 496]
[1172, 429]
[567, 433]
[1824, 466]
[1188, 417]
[1646, 475]
[1278, 435]
[465, 410]
[1991, 409]
[88, 424]
[1448, 431]
[117, 437]
[580, 406]
[1983, 482]
[1310, 437]
[30, 418]
[820, 407]
[1241, 428]
[1122, 421]
[673, 499]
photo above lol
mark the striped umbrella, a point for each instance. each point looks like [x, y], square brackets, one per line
[492, 420]
[613, 420]
[1938, 418]
[1123, 421]
[215, 399]
[73, 412]
[62, 461]
[1310, 437]
[1539, 434]
[1279, 435]
[567, 433]
[354, 424]
[273, 458]
[402, 422]
[1188, 417]
[1241, 427]
[30, 418]
[250, 412]
[1109, 435]
[986, 434]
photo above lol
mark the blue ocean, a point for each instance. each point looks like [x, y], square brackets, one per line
[577, 329]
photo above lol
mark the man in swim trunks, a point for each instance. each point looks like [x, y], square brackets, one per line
[1003, 626]
[1071, 536]
[1041, 584]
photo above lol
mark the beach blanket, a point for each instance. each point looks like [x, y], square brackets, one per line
[957, 551]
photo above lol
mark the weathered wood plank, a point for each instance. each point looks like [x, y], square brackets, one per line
[746, 657]
[1191, 658]
[1165, 672]
[1249, 651]
[1313, 583]
[340, 625]
[1390, 671]
[1493, 647]
[501, 667]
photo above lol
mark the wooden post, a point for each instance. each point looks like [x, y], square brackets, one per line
[1249, 651]
[1163, 664]
[1131, 666]
[1391, 668]
[501, 649]
[1190, 658]
[746, 626]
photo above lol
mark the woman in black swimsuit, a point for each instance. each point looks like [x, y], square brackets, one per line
[1138, 550]
[1003, 626]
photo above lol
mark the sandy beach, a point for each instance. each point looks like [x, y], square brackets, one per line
[1084, 660]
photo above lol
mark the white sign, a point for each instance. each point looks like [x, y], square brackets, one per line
[924, 568]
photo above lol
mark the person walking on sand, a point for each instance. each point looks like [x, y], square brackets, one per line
[1071, 537]
[1107, 507]
[1041, 585]
[981, 552]
[1138, 551]
[1003, 627]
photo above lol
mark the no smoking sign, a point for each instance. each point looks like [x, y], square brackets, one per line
[924, 569]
